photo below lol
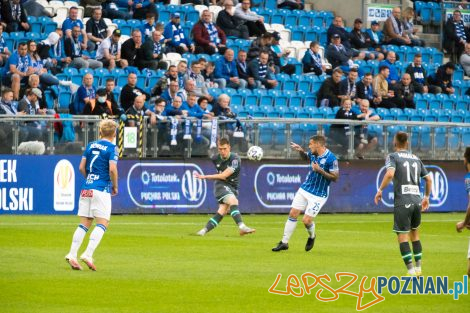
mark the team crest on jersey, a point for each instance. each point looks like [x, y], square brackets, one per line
[322, 161]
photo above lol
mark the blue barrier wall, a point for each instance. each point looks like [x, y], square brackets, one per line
[51, 185]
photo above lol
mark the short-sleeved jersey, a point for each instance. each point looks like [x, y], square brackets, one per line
[467, 183]
[316, 183]
[233, 162]
[98, 154]
[408, 171]
[68, 24]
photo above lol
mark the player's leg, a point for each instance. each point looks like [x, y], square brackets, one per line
[402, 227]
[468, 256]
[215, 220]
[313, 208]
[414, 236]
[232, 203]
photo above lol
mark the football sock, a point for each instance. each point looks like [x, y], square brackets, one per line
[311, 230]
[77, 239]
[95, 239]
[291, 224]
[417, 252]
[214, 221]
[235, 213]
[407, 256]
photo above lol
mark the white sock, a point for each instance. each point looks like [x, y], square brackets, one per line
[311, 230]
[77, 240]
[95, 239]
[291, 224]
[241, 225]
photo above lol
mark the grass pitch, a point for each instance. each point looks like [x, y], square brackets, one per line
[156, 264]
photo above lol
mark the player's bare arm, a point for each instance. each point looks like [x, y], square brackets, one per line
[82, 167]
[299, 149]
[462, 224]
[385, 182]
[427, 192]
[333, 176]
[220, 176]
[113, 174]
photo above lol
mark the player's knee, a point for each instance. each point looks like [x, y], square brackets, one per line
[307, 220]
[294, 213]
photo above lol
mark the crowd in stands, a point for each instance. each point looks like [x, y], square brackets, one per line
[178, 69]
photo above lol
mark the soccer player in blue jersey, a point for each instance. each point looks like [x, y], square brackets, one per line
[313, 193]
[99, 167]
[466, 222]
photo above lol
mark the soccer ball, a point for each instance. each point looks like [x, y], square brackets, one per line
[255, 153]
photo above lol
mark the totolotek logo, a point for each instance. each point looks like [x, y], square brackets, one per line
[192, 187]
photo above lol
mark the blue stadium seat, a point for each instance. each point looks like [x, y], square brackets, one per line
[426, 15]
[251, 100]
[281, 101]
[289, 84]
[266, 100]
[49, 99]
[266, 134]
[64, 99]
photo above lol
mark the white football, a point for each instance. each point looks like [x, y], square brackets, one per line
[255, 153]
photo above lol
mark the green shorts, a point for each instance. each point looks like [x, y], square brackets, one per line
[223, 191]
[406, 218]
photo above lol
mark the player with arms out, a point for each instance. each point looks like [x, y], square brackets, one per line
[313, 193]
[466, 222]
[99, 167]
[406, 169]
[226, 186]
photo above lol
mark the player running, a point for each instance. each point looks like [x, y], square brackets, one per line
[406, 169]
[466, 222]
[226, 185]
[313, 193]
[99, 166]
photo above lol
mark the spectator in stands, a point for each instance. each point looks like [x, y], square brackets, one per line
[34, 8]
[73, 47]
[441, 81]
[175, 38]
[141, 7]
[337, 28]
[152, 53]
[347, 87]
[311, 61]
[340, 133]
[409, 28]
[193, 109]
[261, 73]
[203, 103]
[33, 83]
[38, 66]
[7, 107]
[47, 51]
[455, 35]
[30, 102]
[70, 23]
[111, 11]
[209, 76]
[394, 32]
[262, 43]
[280, 57]
[290, 4]
[14, 16]
[383, 94]
[393, 77]
[222, 107]
[148, 27]
[418, 74]
[85, 93]
[328, 94]
[405, 92]
[130, 91]
[162, 84]
[138, 108]
[4, 52]
[200, 88]
[96, 29]
[109, 87]
[230, 24]
[100, 105]
[171, 92]
[367, 141]
[361, 41]
[175, 109]
[17, 69]
[464, 59]
[226, 71]
[189, 87]
[182, 70]
[376, 35]
[253, 21]
[242, 66]
[131, 48]
[341, 56]
[109, 51]
[208, 37]
[365, 90]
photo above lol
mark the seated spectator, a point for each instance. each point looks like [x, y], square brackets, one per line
[138, 109]
[390, 63]
[200, 87]
[171, 93]
[311, 61]
[130, 91]
[109, 88]
[242, 66]
[347, 87]
[261, 73]
[109, 51]
[4, 52]
[340, 133]
[70, 23]
[189, 87]
[159, 110]
[384, 95]
[39, 68]
[455, 36]
[418, 74]
[50, 50]
[280, 56]
[208, 37]
[152, 53]
[365, 90]
[193, 108]
[464, 59]
[33, 83]
[175, 109]
[209, 76]
[262, 43]
[14, 16]
[361, 41]
[222, 107]
[376, 35]
[226, 71]
[6, 105]
[131, 49]
[73, 47]
[203, 103]
[162, 84]
[230, 24]
[85, 93]
[148, 27]
[290, 4]
[30, 102]
[182, 71]
[405, 92]
[339, 55]
[337, 28]
[441, 81]
[175, 38]
[140, 8]
[367, 142]
[394, 32]
[409, 28]
[253, 21]
[96, 29]
[101, 105]
[18, 69]
[328, 94]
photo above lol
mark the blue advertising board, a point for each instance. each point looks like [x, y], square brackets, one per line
[51, 185]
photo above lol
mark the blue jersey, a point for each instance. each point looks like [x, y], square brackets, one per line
[316, 183]
[98, 154]
[467, 183]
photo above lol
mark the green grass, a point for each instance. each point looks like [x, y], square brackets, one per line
[155, 264]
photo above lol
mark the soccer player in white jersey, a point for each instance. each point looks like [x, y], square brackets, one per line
[99, 167]
[466, 222]
[313, 193]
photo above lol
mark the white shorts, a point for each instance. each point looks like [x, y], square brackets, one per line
[305, 201]
[94, 203]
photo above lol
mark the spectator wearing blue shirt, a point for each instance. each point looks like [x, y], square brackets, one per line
[141, 7]
[73, 49]
[176, 109]
[375, 34]
[194, 110]
[70, 23]
[312, 60]
[171, 93]
[4, 52]
[175, 38]
[394, 77]
[226, 71]
[148, 27]
[85, 93]
[18, 69]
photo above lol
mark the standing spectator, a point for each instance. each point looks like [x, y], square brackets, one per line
[96, 29]
[85, 93]
[441, 81]
[4, 52]
[130, 91]
[175, 38]
[262, 75]
[230, 24]
[148, 27]
[328, 94]
[209, 38]
[361, 41]
[409, 28]
[70, 23]
[390, 63]
[365, 91]
[131, 47]
[394, 32]
[253, 21]
[405, 92]
[226, 71]
[290, 4]
[347, 87]
[312, 60]
[376, 35]
[73, 49]
[18, 69]
[464, 59]
[109, 51]
[337, 28]
[418, 74]
[455, 35]
[14, 16]
[340, 55]
[383, 94]
[152, 53]
[38, 66]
